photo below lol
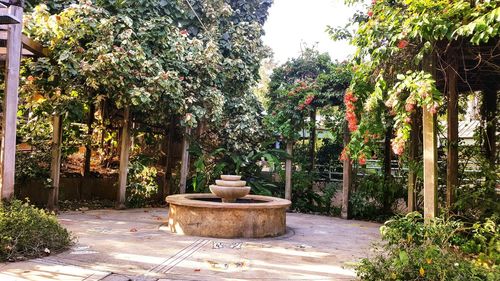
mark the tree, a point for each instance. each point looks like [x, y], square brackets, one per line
[297, 90]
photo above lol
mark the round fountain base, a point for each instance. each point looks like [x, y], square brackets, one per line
[252, 216]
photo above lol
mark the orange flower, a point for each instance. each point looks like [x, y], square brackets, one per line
[309, 100]
[402, 44]
[362, 160]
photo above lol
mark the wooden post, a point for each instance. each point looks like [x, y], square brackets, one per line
[430, 154]
[8, 149]
[168, 161]
[288, 171]
[185, 161]
[452, 157]
[55, 165]
[489, 115]
[388, 153]
[412, 158]
[312, 140]
[124, 159]
[346, 179]
[88, 145]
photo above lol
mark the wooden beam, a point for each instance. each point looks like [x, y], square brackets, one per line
[55, 166]
[430, 153]
[185, 161]
[452, 116]
[3, 52]
[8, 149]
[19, 3]
[288, 171]
[346, 178]
[34, 47]
[30, 46]
[8, 17]
[124, 159]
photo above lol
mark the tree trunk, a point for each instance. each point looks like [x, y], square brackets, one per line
[8, 148]
[124, 159]
[185, 161]
[452, 157]
[346, 178]
[88, 145]
[55, 166]
[288, 171]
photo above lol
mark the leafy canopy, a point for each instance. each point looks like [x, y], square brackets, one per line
[393, 38]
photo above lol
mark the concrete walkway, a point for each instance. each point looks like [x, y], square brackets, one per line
[136, 245]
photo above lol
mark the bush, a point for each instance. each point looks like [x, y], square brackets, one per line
[28, 232]
[141, 183]
[442, 249]
[306, 199]
[374, 197]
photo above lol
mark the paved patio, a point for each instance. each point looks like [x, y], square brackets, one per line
[137, 245]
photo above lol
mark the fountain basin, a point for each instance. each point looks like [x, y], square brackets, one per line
[204, 214]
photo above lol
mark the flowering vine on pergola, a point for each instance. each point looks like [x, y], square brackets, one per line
[412, 57]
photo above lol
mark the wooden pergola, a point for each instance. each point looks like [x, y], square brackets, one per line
[458, 68]
[13, 45]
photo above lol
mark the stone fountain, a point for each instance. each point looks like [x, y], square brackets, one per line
[227, 212]
[229, 188]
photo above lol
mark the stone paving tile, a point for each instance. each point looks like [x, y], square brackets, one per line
[135, 245]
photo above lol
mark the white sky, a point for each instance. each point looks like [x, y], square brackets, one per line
[295, 22]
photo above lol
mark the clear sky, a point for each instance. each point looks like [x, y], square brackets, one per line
[295, 22]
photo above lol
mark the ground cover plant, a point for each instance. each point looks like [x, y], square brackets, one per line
[29, 232]
[441, 249]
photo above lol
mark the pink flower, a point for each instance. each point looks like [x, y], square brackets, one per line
[398, 147]
[184, 32]
[409, 107]
[370, 13]
[433, 109]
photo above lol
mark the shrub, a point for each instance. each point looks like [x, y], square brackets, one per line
[442, 249]
[374, 197]
[307, 199]
[141, 183]
[28, 232]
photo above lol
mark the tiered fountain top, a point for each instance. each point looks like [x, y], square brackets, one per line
[230, 188]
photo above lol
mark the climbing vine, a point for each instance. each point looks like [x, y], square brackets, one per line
[395, 42]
